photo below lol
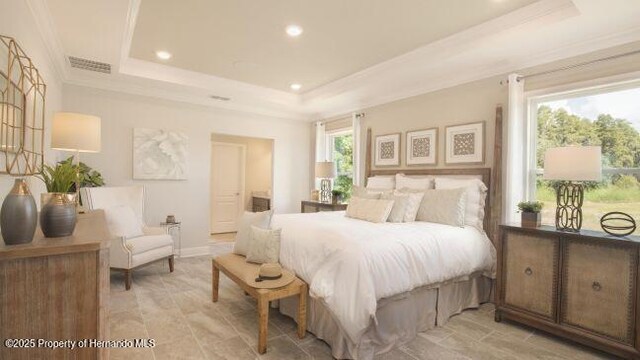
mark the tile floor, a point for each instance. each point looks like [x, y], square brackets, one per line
[176, 310]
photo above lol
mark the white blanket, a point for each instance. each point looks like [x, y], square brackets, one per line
[351, 264]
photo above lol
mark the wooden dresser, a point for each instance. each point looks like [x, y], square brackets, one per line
[581, 286]
[56, 289]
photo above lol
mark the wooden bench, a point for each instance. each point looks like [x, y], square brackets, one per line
[233, 265]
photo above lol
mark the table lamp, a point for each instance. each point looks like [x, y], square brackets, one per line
[572, 164]
[325, 170]
[77, 133]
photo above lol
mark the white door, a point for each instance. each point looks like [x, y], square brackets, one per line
[227, 186]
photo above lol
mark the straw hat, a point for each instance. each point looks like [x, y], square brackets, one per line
[269, 276]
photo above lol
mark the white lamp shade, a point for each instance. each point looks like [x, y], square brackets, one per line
[325, 169]
[75, 132]
[579, 163]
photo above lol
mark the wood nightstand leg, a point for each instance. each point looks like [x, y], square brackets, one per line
[263, 323]
[215, 281]
[302, 312]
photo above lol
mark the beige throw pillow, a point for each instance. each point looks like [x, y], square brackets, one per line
[405, 206]
[443, 207]
[476, 192]
[264, 246]
[248, 219]
[373, 210]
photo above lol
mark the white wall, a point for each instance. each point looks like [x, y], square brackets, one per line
[189, 200]
[16, 21]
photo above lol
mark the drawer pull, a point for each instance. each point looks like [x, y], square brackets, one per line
[596, 286]
[528, 271]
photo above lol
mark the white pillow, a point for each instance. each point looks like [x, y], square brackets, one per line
[405, 206]
[248, 219]
[373, 210]
[381, 182]
[264, 246]
[413, 182]
[123, 222]
[443, 207]
[361, 192]
[476, 197]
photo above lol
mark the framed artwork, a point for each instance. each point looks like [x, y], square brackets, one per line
[159, 154]
[464, 144]
[422, 147]
[388, 150]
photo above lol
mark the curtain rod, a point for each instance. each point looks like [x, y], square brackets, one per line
[357, 115]
[569, 67]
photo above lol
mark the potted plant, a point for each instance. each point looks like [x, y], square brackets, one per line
[58, 212]
[336, 196]
[530, 211]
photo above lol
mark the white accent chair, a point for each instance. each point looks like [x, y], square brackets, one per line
[127, 254]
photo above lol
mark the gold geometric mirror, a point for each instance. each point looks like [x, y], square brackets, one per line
[22, 106]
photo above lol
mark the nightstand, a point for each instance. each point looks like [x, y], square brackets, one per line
[309, 206]
[175, 231]
[579, 285]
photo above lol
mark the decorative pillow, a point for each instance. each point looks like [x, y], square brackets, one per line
[443, 207]
[381, 182]
[264, 246]
[248, 219]
[373, 210]
[476, 196]
[123, 222]
[413, 182]
[405, 206]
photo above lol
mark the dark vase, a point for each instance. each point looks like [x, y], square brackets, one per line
[19, 215]
[58, 216]
[531, 219]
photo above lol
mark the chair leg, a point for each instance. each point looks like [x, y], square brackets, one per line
[127, 279]
[171, 263]
[215, 281]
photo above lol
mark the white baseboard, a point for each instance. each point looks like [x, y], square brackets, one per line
[195, 251]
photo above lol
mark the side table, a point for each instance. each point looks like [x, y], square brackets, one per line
[174, 230]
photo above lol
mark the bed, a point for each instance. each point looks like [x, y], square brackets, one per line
[375, 286]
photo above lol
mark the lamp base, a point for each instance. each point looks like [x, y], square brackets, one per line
[325, 190]
[569, 198]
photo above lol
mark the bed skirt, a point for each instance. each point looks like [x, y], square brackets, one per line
[399, 318]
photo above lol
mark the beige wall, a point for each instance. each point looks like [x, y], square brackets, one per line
[258, 164]
[473, 102]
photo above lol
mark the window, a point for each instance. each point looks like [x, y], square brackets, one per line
[608, 118]
[340, 151]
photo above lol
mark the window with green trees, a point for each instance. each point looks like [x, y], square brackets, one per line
[341, 148]
[604, 120]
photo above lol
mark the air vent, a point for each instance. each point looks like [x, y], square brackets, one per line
[221, 98]
[89, 65]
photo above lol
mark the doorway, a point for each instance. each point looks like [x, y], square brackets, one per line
[241, 180]
[227, 186]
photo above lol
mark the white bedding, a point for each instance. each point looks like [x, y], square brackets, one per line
[351, 264]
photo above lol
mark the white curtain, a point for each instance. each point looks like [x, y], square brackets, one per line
[516, 146]
[355, 125]
[321, 142]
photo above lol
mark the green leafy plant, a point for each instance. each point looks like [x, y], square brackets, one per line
[530, 206]
[58, 179]
[88, 177]
[336, 193]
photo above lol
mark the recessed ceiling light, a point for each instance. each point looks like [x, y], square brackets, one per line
[294, 30]
[295, 87]
[163, 55]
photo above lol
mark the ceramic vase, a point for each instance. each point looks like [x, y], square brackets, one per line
[58, 216]
[19, 215]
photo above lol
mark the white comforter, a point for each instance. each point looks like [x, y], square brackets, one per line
[351, 264]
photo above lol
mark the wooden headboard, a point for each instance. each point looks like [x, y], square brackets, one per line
[493, 202]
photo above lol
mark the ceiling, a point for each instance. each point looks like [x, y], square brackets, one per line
[245, 40]
[352, 54]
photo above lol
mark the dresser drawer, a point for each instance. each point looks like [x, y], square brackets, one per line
[598, 287]
[531, 273]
